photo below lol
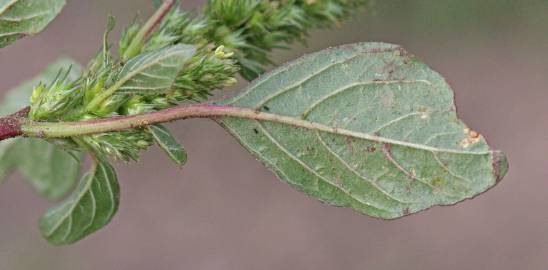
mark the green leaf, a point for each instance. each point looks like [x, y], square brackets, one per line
[168, 143]
[49, 169]
[19, 18]
[88, 209]
[366, 126]
[154, 72]
[8, 158]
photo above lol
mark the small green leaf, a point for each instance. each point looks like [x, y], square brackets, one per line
[19, 18]
[168, 143]
[49, 169]
[154, 72]
[366, 126]
[88, 209]
[128, 34]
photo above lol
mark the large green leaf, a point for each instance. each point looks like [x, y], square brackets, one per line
[154, 72]
[367, 126]
[49, 169]
[52, 171]
[88, 209]
[19, 18]
[169, 144]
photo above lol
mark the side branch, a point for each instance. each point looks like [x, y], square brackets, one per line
[138, 41]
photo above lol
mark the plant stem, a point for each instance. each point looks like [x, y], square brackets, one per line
[138, 41]
[9, 128]
[10, 125]
[17, 126]
[68, 129]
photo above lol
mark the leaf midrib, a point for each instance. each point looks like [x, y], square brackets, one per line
[300, 123]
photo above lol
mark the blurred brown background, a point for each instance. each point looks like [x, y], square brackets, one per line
[224, 210]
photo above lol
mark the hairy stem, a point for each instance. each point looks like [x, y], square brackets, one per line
[10, 125]
[15, 125]
[68, 129]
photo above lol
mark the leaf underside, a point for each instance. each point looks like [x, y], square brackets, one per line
[88, 209]
[49, 169]
[19, 18]
[373, 128]
[168, 143]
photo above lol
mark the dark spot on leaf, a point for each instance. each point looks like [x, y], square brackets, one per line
[437, 182]
[500, 165]
[371, 148]
[266, 108]
[387, 147]
[255, 130]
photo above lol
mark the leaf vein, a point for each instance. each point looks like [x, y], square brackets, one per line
[359, 175]
[306, 167]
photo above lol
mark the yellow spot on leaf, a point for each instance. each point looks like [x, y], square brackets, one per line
[472, 137]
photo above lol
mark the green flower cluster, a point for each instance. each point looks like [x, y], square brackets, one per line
[252, 28]
[184, 59]
[50, 102]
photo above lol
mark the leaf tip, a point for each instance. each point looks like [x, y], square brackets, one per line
[500, 165]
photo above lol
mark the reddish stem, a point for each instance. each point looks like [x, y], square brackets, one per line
[10, 126]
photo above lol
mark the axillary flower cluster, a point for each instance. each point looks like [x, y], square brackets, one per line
[175, 57]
